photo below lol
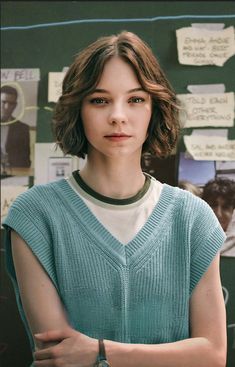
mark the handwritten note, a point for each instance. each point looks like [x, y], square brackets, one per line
[207, 109]
[205, 47]
[20, 75]
[210, 148]
[55, 80]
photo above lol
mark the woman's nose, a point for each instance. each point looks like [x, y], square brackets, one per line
[117, 114]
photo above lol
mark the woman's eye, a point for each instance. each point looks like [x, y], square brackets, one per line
[136, 100]
[98, 100]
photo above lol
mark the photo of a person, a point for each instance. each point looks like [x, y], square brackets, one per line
[15, 137]
[219, 193]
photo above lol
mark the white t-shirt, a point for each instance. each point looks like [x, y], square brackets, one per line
[122, 221]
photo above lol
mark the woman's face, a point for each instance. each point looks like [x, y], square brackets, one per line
[116, 115]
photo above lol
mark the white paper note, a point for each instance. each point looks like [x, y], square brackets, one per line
[200, 110]
[205, 47]
[210, 132]
[20, 75]
[210, 148]
[51, 163]
[206, 88]
[55, 80]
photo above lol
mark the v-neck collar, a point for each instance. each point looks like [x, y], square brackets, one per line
[145, 240]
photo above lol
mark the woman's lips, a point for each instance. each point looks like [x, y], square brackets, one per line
[117, 137]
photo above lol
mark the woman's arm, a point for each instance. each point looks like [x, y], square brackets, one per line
[205, 348]
[42, 306]
[44, 310]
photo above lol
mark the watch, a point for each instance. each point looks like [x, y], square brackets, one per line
[101, 358]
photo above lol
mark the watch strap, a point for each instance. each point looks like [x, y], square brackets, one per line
[102, 354]
[101, 358]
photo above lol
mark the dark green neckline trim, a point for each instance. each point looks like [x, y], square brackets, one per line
[107, 199]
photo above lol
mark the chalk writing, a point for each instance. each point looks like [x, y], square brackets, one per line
[205, 47]
[206, 109]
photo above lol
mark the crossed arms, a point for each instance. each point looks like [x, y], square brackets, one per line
[57, 344]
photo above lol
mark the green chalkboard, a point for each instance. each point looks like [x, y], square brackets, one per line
[50, 42]
[47, 35]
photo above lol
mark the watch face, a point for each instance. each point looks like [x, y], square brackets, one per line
[103, 364]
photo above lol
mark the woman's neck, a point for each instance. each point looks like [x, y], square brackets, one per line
[116, 179]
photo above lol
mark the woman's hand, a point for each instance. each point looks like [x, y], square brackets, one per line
[73, 349]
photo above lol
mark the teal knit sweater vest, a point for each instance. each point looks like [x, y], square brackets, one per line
[137, 293]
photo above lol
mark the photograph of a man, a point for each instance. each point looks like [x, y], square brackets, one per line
[15, 137]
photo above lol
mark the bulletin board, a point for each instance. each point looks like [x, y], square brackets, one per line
[47, 35]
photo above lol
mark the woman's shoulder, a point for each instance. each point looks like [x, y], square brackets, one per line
[195, 215]
[180, 194]
[185, 201]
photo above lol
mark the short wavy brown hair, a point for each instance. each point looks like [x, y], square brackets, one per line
[220, 187]
[82, 78]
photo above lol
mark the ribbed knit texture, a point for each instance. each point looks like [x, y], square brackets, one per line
[136, 293]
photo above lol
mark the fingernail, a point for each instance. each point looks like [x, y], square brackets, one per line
[37, 335]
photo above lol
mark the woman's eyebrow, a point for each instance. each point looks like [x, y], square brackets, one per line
[139, 89]
[100, 90]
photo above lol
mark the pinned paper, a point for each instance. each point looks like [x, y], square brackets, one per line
[210, 132]
[51, 164]
[20, 75]
[59, 167]
[55, 80]
[210, 148]
[19, 122]
[197, 46]
[206, 88]
[8, 195]
[196, 171]
[207, 109]
[209, 26]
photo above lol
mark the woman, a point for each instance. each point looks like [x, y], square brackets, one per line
[112, 267]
